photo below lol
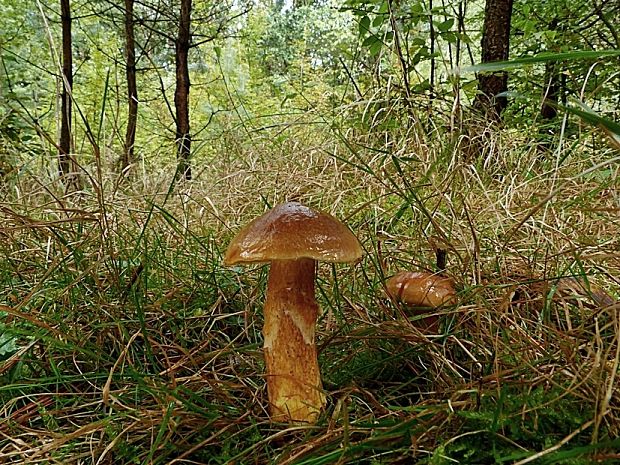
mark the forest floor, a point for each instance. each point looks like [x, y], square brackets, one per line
[124, 339]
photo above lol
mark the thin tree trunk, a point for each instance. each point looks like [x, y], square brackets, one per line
[64, 155]
[495, 47]
[432, 51]
[551, 85]
[552, 92]
[181, 94]
[132, 89]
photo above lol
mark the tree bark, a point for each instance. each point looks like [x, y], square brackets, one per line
[495, 47]
[64, 145]
[181, 94]
[132, 89]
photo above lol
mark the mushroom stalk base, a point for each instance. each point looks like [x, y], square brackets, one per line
[293, 378]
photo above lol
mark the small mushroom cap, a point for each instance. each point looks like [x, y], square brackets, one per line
[420, 289]
[291, 231]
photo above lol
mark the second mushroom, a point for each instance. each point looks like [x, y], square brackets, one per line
[422, 289]
[292, 237]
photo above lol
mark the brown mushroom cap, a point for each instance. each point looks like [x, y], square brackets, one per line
[291, 231]
[421, 289]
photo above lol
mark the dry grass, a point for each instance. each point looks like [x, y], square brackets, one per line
[128, 342]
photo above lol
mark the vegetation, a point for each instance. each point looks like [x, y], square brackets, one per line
[124, 339]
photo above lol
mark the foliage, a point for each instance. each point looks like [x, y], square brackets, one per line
[562, 27]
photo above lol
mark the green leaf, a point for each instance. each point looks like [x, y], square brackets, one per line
[445, 25]
[375, 48]
[370, 41]
[7, 343]
[464, 38]
[378, 21]
[422, 86]
[449, 37]
[545, 57]
[364, 26]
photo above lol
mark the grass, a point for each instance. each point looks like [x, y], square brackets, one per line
[123, 339]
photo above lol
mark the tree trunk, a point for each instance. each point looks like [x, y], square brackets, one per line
[132, 90]
[552, 92]
[181, 94]
[64, 155]
[495, 47]
[431, 91]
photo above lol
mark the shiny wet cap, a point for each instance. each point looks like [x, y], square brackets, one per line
[291, 231]
[421, 289]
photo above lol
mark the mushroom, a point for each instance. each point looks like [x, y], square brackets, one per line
[421, 289]
[292, 237]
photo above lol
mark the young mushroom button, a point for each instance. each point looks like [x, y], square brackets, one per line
[292, 237]
[421, 289]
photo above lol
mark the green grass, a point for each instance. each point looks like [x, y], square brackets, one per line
[124, 340]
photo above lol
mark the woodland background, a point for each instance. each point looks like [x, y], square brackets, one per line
[137, 137]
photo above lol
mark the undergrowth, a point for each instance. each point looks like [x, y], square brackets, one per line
[124, 340]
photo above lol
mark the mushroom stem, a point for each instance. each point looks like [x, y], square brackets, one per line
[293, 378]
